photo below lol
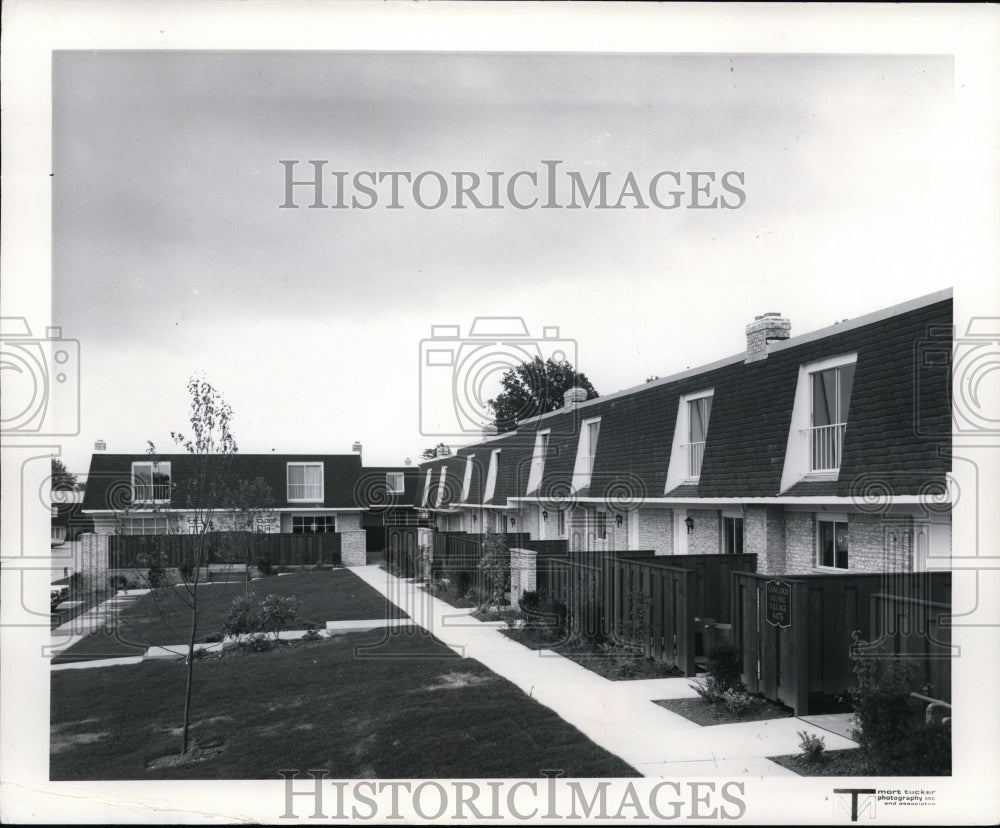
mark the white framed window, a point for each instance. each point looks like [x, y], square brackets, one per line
[832, 542]
[151, 482]
[143, 526]
[467, 479]
[305, 482]
[698, 411]
[55, 511]
[538, 461]
[427, 487]
[491, 476]
[500, 523]
[690, 438]
[313, 524]
[732, 535]
[58, 534]
[830, 399]
[441, 491]
[394, 482]
[586, 452]
[561, 523]
[601, 525]
[819, 420]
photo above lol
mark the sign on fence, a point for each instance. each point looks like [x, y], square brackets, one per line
[778, 603]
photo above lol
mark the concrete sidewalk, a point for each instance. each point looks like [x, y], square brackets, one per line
[620, 716]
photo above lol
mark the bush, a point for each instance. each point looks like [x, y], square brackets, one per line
[242, 618]
[157, 576]
[462, 583]
[724, 663]
[264, 566]
[276, 613]
[257, 643]
[529, 601]
[812, 747]
[737, 702]
[186, 570]
[312, 634]
[894, 740]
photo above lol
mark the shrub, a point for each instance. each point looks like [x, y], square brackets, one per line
[494, 564]
[529, 601]
[264, 566]
[186, 570]
[312, 635]
[276, 613]
[242, 617]
[893, 738]
[462, 583]
[257, 643]
[737, 702]
[157, 576]
[725, 663]
[812, 747]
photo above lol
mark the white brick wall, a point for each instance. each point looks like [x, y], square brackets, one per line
[522, 573]
[875, 543]
[656, 530]
[705, 537]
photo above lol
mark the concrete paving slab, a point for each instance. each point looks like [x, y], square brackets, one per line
[716, 767]
[98, 662]
[839, 723]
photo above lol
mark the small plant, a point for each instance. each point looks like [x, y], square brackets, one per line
[737, 702]
[276, 613]
[812, 746]
[312, 635]
[185, 570]
[157, 576]
[242, 618]
[264, 566]
[257, 643]
[724, 667]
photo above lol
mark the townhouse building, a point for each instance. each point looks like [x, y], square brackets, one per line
[826, 452]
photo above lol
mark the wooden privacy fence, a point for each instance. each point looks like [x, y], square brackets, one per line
[131, 551]
[795, 631]
[642, 599]
[402, 550]
[457, 556]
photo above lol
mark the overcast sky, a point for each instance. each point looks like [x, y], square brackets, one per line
[171, 254]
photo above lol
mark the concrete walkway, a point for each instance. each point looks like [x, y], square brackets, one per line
[620, 716]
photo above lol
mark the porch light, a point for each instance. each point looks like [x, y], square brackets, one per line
[545, 515]
[689, 523]
[512, 521]
[475, 517]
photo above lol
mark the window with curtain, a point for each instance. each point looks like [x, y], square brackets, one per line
[305, 481]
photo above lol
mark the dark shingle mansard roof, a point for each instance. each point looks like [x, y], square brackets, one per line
[344, 485]
[898, 429]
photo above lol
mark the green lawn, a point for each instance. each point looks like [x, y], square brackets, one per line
[162, 618]
[374, 704]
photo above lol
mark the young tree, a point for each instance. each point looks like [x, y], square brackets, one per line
[533, 388]
[212, 445]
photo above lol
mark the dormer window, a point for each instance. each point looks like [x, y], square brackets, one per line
[831, 398]
[441, 489]
[467, 480]
[699, 410]
[538, 461]
[150, 482]
[427, 488]
[819, 420]
[305, 482]
[491, 476]
[586, 452]
[690, 436]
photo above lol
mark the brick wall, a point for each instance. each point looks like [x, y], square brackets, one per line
[94, 561]
[875, 543]
[522, 574]
[656, 530]
[764, 536]
[705, 537]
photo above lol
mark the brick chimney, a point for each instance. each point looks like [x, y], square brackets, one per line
[574, 395]
[490, 430]
[769, 327]
[441, 450]
[356, 448]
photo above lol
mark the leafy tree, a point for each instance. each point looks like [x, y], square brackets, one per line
[534, 388]
[63, 480]
[440, 450]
